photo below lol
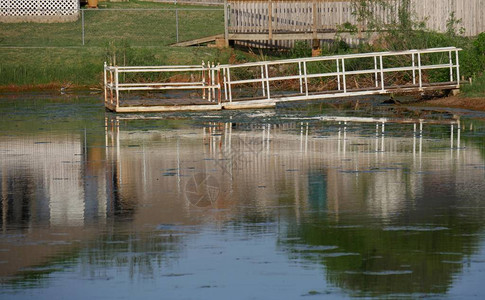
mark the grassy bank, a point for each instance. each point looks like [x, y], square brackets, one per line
[476, 88]
[52, 55]
[141, 23]
[84, 66]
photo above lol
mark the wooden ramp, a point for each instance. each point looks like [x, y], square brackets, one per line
[195, 42]
[265, 84]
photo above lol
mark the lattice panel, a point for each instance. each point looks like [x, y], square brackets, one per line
[22, 8]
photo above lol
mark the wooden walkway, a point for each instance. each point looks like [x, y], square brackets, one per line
[266, 83]
[199, 41]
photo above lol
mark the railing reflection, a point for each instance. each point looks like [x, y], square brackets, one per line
[255, 160]
[73, 180]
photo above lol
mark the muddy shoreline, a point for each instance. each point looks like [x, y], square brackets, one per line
[477, 104]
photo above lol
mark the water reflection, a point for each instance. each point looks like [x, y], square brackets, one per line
[382, 206]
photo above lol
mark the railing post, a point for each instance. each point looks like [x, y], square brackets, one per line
[105, 84]
[262, 82]
[382, 73]
[203, 80]
[457, 70]
[375, 71]
[414, 70]
[267, 81]
[420, 72]
[343, 75]
[338, 75]
[451, 66]
[225, 83]
[209, 81]
[219, 95]
[305, 77]
[229, 84]
[300, 79]
[213, 82]
[111, 100]
[117, 90]
[209, 78]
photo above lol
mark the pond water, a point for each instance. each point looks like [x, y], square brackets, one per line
[270, 204]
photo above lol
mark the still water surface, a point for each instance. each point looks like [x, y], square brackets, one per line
[238, 205]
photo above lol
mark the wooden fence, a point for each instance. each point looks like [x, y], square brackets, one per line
[194, 2]
[323, 16]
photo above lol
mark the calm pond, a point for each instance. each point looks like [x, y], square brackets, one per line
[269, 204]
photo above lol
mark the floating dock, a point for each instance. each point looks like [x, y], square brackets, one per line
[211, 86]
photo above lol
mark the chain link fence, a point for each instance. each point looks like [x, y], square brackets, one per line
[135, 27]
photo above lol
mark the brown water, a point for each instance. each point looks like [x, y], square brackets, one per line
[267, 204]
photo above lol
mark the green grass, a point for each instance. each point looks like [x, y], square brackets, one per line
[84, 66]
[476, 89]
[141, 28]
[38, 54]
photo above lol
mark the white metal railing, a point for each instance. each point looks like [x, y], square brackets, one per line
[379, 71]
[216, 84]
[204, 78]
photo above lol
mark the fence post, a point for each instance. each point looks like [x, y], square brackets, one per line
[226, 24]
[314, 21]
[177, 23]
[270, 20]
[82, 24]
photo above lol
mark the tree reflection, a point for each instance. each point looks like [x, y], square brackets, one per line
[419, 249]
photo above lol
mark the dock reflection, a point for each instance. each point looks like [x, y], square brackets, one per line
[242, 159]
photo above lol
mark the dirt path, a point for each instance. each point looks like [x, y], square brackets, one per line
[455, 102]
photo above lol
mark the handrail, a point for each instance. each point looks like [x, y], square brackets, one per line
[379, 71]
[215, 81]
[340, 56]
[209, 85]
